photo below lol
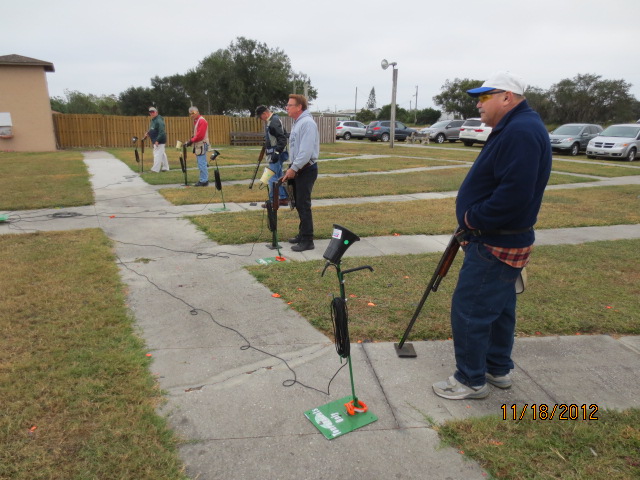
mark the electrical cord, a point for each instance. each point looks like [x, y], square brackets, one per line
[340, 320]
[196, 311]
[247, 344]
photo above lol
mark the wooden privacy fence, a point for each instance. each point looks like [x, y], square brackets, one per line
[110, 131]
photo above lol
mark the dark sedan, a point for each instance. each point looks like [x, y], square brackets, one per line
[381, 130]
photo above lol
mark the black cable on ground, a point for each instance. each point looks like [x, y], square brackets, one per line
[247, 344]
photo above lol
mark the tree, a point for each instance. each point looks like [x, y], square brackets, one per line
[540, 101]
[402, 115]
[428, 116]
[170, 96]
[371, 103]
[455, 99]
[135, 100]
[246, 74]
[78, 102]
[587, 98]
[365, 116]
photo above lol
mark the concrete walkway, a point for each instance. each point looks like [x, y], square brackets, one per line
[240, 367]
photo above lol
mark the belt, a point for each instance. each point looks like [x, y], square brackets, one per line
[477, 233]
[307, 165]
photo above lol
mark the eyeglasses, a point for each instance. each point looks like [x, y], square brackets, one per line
[486, 96]
[290, 105]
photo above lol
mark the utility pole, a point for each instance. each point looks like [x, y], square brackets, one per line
[355, 105]
[415, 113]
[384, 64]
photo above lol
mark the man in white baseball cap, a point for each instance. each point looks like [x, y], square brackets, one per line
[507, 81]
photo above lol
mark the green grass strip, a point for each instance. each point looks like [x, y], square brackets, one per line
[78, 400]
[590, 288]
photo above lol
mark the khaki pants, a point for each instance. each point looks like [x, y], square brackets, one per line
[160, 161]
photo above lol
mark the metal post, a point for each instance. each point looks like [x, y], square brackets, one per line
[393, 106]
[355, 105]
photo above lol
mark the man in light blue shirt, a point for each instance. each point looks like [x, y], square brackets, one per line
[304, 149]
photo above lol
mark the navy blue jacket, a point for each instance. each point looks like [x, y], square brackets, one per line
[503, 189]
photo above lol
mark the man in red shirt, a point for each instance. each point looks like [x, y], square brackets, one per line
[200, 142]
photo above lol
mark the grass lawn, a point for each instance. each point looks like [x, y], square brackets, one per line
[445, 180]
[78, 400]
[583, 278]
[605, 449]
[43, 180]
[560, 209]
[590, 167]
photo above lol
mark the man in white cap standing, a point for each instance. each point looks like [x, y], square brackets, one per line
[496, 209]
[158, 135]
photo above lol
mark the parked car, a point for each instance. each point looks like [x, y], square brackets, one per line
[616, 141]
[473, 130]
[350, 128]
[444, 130]
[381, 130]
[573, 137]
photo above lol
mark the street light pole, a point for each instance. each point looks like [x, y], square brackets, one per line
[415, 115]
[385, 65]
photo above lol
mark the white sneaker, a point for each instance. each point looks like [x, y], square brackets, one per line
[454, 390]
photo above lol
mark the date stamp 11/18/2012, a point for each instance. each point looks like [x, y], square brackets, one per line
[543, 411]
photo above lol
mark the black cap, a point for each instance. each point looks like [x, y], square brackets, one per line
[260, 110]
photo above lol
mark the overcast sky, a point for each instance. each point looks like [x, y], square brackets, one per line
[105, 47]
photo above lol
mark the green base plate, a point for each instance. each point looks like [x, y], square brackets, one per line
[333, 420]
[268, 260]
[4, 218]
[221, 209]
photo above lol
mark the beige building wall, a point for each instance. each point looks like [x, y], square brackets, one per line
[24, 93]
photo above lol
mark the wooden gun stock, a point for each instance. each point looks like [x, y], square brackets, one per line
[260, 158]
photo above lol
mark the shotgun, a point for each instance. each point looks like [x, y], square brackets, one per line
[134, 141]
[260, 157]
[183, 167]
[142, 156]
[442, 269]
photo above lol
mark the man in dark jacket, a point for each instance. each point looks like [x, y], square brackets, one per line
[275, 144]
[158, 135]
[496, 208]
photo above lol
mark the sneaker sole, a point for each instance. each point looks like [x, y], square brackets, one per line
[469, 396]
[503, 385]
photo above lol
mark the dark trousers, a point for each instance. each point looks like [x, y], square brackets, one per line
[304, 185]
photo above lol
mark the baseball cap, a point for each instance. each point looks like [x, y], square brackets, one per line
[260, 110]
[153, 109]
[507, 81]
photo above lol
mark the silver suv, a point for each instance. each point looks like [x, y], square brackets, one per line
[573, 137]
[616, 141]
[350, 128]
[444, 130]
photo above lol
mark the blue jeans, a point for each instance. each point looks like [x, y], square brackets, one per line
[483, 316]
[277, 169]
[202, 164]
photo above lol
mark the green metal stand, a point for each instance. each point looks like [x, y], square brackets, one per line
[272, 214]
[218, 183]
[334, 419]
